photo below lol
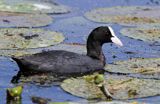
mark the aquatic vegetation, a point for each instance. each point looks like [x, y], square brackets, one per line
[121, 87]
[63, 103]
[131, 15]
[37, 79]
[81, 49]
[40, 100]
[149, 34]
[99, 79]
[22, 38]
[14, 93]
[102, 102]
[28, 6]
[82, 88]
[24, 20]
[144, 66]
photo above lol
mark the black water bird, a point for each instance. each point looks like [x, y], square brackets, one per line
[65, 62]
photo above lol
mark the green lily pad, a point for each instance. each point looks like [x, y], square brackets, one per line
[81, 49]
[30, 6]
[149, 67]
[150, 34]
[82, 88]
[22, 38]
[121, 87]
[24, 20]
[132, 15]
[102, 102]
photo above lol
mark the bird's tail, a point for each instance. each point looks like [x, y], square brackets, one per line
[16, 59]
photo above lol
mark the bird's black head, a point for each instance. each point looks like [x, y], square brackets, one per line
[104, 34]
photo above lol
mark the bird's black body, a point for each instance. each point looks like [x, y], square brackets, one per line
[59, 62]
[64, 62]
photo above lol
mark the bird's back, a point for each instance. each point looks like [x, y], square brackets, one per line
[61, 62]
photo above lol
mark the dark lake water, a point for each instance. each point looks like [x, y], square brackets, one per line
[76, 27]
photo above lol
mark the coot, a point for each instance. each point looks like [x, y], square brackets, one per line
[65, 62]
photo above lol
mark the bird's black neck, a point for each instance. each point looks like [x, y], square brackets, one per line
[94, 50]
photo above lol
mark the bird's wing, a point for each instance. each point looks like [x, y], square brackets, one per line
[59, 62]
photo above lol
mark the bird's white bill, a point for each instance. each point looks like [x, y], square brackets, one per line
[117, 41]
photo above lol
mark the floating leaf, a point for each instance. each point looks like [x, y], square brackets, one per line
[63, 103]
[132, 15]
[81, 49]
[105, 102]
[149, 67]
[24, 20]
[120, 102]
[38, 79]
[151, 34]
[82, 88]
[22, 38]
[121, 87]
[30, 6]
